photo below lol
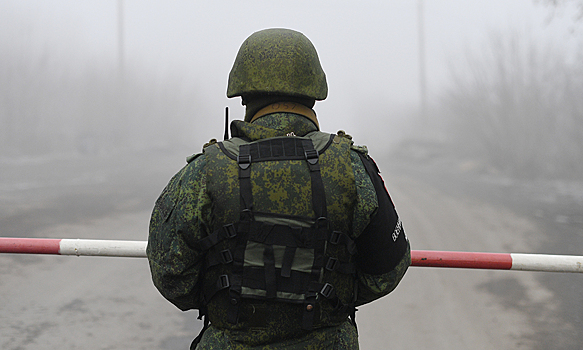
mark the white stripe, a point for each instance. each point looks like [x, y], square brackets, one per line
[90, 247]
[550, 263]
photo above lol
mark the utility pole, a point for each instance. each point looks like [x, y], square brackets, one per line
[120, 41]
[422, 68]
[121, 135]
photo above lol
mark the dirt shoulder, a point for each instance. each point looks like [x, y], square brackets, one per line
[555, 209]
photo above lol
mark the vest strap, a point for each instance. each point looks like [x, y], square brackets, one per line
[288, 259]
[269, 268]
[227, 231]
[223, 282]
[337, 237]
[295, 284]
[214, 258]
[244, 162]
[334, 264]
[318, 194]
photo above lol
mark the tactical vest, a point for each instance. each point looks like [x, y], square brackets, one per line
[280, 255]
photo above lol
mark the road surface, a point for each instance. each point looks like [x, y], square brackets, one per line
[64, 302]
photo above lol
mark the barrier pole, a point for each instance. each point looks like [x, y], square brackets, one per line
[498, 261]
[78, 247]
[422, 258]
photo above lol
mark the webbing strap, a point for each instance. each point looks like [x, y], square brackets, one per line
[334, 264]
[319, 206]
[269, 268]
[237, 272]
[286, 148]
[310, 300]
[297, 283]
[303, 237]
[309, 306]
[318, 194]
[205, 326]
[288, 259]
[227, 231]
[223, 282]
[215, 257]
[337, 237]
[244, 161]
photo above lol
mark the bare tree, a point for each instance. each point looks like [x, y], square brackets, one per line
[45, 108]
[517, 107]
[564, 5]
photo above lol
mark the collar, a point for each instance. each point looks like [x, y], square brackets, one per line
[287, 107]
[273, 125]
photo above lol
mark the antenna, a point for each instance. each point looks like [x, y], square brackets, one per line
[226, 123]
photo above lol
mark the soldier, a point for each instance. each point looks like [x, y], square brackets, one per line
[277, 234]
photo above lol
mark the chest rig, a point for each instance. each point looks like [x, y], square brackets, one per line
[269, 253]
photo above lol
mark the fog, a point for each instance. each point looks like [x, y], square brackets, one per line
[85, 75]
[472, 109]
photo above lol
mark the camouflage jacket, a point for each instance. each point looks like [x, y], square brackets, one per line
[183, 213]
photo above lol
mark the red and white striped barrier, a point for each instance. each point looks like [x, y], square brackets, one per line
[85, 247]
[498, 261]
[426, 258]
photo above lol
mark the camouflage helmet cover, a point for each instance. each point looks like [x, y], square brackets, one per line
[277, 61]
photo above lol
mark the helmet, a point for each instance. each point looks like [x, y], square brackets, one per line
[277, 62]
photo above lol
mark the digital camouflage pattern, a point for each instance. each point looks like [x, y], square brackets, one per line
[272, 183]
[273, 125]
[277, 61]
[183, 214]
[337, 338]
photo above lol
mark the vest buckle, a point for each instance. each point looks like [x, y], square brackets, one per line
[226, 257]
[335, 237]
[331, 264]
[311, 156]
[230, 230]
[244, 161]
[327, 290]
[223, 282]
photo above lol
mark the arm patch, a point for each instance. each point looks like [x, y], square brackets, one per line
[383, 243]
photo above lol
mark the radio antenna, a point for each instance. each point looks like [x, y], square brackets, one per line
[226, 123]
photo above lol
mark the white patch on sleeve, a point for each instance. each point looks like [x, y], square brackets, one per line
[397, 231]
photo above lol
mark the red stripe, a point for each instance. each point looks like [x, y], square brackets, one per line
[467, 260]
[29, 245]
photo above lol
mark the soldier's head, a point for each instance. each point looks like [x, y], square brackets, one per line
[275, 65]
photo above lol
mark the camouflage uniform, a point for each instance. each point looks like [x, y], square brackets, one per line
[183, 215]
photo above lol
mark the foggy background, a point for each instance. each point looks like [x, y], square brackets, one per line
[94, 76]
[472, 109]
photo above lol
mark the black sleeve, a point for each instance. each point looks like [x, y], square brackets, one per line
[383, 243]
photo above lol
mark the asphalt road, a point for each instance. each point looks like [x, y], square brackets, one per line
[63, 302]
